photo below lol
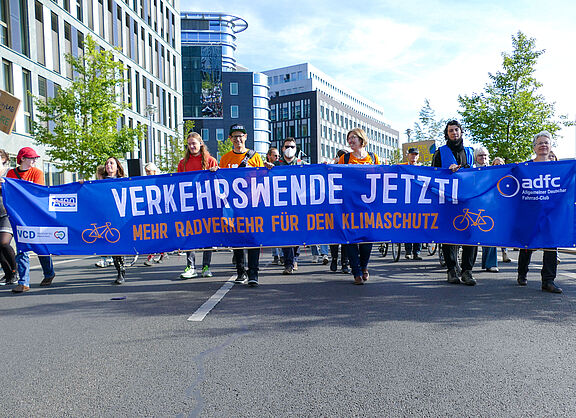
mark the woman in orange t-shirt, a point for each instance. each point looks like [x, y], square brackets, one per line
[197, 157]
[358, 254]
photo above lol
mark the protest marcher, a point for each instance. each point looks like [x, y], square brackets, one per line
[26, 171]
[358, 254]
[7, 255]
[454, 156]
[104, 261]
[489, 254]
[240, 156]
[152, 170]
[114, 170]
[289, 158]
[334, 247]
[542, 144]
[505, 258]
[197, 157]
[412, 249]
[272, 156]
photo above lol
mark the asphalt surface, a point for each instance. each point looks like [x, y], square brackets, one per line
[311, 344]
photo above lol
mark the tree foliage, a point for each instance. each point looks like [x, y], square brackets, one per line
[428, 128]
[510, 111]
[80, 125]
[173, 152]
[224, 146]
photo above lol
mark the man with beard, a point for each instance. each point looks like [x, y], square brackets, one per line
[454, 156]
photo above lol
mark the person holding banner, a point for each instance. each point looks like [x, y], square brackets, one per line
[197, 157]
[113, 169]
[7, 255]
[412, 249]
[358, 254]
[454, 156]
[240, 156]
[489, 254]
[26, 171]
[542, 145]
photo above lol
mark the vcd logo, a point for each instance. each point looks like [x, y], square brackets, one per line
[63, 203]
[509, 186]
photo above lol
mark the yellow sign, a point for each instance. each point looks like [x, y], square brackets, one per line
[426, 150]
[8, 109]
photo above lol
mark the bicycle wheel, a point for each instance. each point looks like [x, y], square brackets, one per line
[130, 260]
[396, 248]
[89, 236]
[383, 249]
[112, 235]
[432, 247]
[461, 222]
[487, 225]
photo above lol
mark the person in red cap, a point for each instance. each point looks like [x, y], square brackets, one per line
[26, 159]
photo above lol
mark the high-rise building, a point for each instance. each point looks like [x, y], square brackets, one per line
[318, 112]
[35, 35]
[217, 92]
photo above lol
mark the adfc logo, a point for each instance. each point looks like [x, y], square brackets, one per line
[508, 186]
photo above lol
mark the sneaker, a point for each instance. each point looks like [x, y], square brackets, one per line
[241, 278]
[121, 277]
[102, 263]
[288, 270]
[334, 266]
[453, 277]
[408, 256]
[548, 286]
[206, 272]
[522, 281]
[21, 288]
[160, 259]
[346, 270]
[493, 269]
[417, 257]
[295, 268]
[276, 260]
[253, 282]
[148, 262]
[47, 281]
[189, 273]
[467, 278]
[314, 259]
[10, 279]
[325, 259]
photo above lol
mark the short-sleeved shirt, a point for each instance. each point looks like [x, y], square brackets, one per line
[354, 160]
[232, 160]
[194, 163]
[33, 175]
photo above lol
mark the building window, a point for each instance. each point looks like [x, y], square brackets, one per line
[68, 47]
[55, 44]
[24, 28]
[27, 100]
[220, 134]
[39, 13]
[4, 23]
[204, 133]
[91, 14]
[79, 11]
[233, 89]
[234, 111]
[7, 79]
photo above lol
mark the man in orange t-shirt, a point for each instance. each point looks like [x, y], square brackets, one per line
[241, 156]
[26, 171]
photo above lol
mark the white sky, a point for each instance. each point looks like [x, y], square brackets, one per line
[399, 53]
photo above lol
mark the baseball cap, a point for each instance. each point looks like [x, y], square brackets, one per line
[237, 127]
[26, 152]
[413, 151]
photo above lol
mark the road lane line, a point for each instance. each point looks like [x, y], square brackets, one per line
[58, 262]
[205, 309]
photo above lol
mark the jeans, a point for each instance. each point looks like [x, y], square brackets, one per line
[489, 257]
[549, 263]
[469, 253]
[23, 264]
[191, 259]
[290, 256]
[324, 249]
[276, 252]
[359, 255]
[253, 262]
[334, 253]
[413, 248]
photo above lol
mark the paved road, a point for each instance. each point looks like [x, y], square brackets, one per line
[311, 344]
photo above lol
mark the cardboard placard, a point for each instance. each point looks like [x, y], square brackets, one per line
[426, 150]
[9, 106]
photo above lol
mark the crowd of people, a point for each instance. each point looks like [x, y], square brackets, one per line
[354, 258]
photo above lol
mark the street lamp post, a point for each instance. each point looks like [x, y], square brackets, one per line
[151, 109]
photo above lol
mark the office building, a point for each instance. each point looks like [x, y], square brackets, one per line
[35, 35]
[217, 91]
[318, 112]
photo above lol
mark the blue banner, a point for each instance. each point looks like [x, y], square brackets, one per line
[528, 205]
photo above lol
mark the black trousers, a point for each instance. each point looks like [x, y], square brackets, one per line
[334, 253]
[253, 261]
[469, 253]
[549, 263]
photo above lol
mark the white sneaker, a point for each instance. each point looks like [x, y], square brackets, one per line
[324, 260]
[295, 268]
[189, 273]
[102, 263]
[148, 262]
[314, 258]
[206, 272]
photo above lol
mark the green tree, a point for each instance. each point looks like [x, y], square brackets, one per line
[505, 117]
[79, 126]
[224, 146]
[173, 152]
[428, 128]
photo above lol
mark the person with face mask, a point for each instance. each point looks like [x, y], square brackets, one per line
[454, 156]
[289, 158]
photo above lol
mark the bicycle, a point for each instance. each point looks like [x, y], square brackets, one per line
[90, 235]
[484, 223]
[394, 247]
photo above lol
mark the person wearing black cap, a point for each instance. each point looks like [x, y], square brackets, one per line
[412, 248]
[240, 156]
[454, 156]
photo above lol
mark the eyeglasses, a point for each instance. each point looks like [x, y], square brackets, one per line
[482, 155]
[289, 146]
[543, 143]
[237, 136]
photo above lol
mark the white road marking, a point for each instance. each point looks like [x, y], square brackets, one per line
[59, 262]
[205, 309]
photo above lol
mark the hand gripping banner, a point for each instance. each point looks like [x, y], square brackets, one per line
[527, 205]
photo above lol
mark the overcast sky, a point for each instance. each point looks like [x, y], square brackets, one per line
[399, 53]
